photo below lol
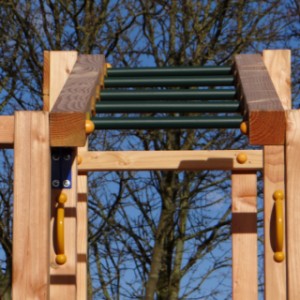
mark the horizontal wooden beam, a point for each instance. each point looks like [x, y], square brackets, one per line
[262, 105]
[7, 125]
[67, 117]
[169, 160]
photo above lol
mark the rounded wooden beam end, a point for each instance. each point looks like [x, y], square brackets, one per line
[242, 158]
[89, 126]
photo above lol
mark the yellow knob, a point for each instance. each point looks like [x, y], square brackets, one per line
[89, 126]
[278, 195]
[79, 160]
[241, 158]
[108, 65]
[60, 259]
[244, 128]
[278, 256]
[62, 198]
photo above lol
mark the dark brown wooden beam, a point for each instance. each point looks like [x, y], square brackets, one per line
[67, 117]
[262, 106]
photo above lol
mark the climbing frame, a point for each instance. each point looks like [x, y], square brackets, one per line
[52, 158]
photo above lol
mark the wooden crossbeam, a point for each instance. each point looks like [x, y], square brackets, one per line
[262, 105]
[169, 160]
[68, 115]
[7, 124]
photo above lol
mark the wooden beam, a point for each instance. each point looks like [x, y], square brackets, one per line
[7, 124]
[31, 206]
[262, 106]
[68, 115]
[244, 237]
[57, 68]
[169, 160]
[82, 235]
[293, 203]
[278, 65]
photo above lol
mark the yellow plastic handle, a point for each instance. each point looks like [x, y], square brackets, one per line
[278, 197]
[61, 258]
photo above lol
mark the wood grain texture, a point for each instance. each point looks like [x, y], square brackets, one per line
[168, 160]
[278, 65]
[31, 206]
[82, 235]
[244, 237]
[262, 105]
[67, 117]
[63, 277]
[57, 68]
[293, 203]
[7, 124]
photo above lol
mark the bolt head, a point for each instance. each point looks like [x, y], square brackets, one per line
[66, 183]
[55, 183]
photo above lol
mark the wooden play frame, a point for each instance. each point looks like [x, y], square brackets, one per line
[264, 86]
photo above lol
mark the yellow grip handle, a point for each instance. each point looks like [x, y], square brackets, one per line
[279, 225]
[60, 230]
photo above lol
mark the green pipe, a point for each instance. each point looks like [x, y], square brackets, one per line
[168, 81]
[165, 106]
[174, 94]
[168, 122]
[169, 71]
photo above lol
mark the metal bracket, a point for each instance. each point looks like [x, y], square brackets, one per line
[61, 165]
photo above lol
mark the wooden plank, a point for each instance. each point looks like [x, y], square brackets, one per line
[57, 68]
[262, 105]
[31, 206]
[63, 278]
[293, 203]
[278, 65]
[7, 131]
[169, 160]
[82, 236]
[67, 117]
[244, 237]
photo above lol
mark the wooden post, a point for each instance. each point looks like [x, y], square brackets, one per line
[293, 203]
[244, 236]
[31, 206]
[278, 65]
[57, 68]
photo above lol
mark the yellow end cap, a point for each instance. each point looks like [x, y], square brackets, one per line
[62, 198]
[241, 158]
[108, 66]
[278, 195]
[89, 126]
[79, 160]
[244, 128]
[278, 256]
[60, 259]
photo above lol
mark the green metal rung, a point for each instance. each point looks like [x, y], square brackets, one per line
[168, 81]
[169, 71]
[174, 94]
[166, 106]
[168, 122]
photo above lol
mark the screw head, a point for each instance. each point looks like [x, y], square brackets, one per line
[66, 183]
[67, 157]
[55, 156]
[55, 183]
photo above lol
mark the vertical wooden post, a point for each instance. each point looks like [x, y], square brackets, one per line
[244, 236]
[63, 278]
[82, 234]
[293, 203]
[278, 65]
[31, 206]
